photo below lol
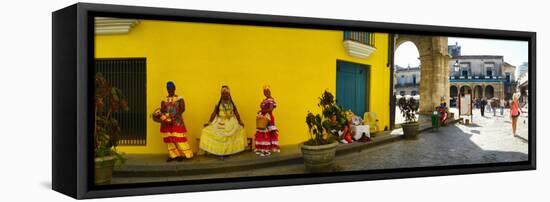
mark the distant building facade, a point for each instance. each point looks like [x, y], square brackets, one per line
[522, 69]
[483, 76]
[523, 84]
[406, 80]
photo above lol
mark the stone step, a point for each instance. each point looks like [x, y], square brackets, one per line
[427, 127]
[155, 165]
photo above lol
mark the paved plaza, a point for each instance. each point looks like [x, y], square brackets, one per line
[486, 140]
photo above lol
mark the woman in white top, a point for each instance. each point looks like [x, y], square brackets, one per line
[502, 106]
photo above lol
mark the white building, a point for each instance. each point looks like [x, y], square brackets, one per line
[406, 80]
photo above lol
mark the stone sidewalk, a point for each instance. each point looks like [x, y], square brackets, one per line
[154, 165]
[487, 140]
[153, 168]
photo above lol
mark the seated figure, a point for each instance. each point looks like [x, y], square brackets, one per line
[224, 133]
[369, 118]
[339, 129]
[442, 109]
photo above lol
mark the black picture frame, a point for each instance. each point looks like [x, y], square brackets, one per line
[72, 109]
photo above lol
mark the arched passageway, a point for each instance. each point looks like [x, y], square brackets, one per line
[478, 91]
[465, 90]
[434, 72]
[453, 91]
[489, 92]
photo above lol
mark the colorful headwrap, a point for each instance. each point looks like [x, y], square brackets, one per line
[225, 89]
[170, 84]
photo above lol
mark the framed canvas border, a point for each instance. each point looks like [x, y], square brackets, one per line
[72, 83]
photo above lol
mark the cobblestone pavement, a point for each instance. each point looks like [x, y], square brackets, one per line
[487, 140]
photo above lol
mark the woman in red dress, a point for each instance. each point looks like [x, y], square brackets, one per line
[171, 125]
[267, 139]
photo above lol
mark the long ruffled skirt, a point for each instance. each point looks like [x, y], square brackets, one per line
[267, 140]
[177, 145]
[223, 137]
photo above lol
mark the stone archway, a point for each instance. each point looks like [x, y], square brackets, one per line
[478, 91]
[434, 71]
[453, 96]
[465, 90]
[489, 91]
[453, 91]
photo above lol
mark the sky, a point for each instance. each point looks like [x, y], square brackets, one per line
[514, 52]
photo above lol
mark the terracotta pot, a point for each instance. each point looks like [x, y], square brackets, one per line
[410, 130]
[104, 169]
[319, 158]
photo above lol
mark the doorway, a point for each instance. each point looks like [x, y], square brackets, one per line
[352, 86]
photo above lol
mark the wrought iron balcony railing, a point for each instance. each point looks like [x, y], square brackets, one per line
[366, 38]
[478, 77]
[406, 84]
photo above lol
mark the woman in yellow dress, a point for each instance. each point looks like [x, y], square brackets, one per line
[224, 133]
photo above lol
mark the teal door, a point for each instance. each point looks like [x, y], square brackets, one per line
[352, 86]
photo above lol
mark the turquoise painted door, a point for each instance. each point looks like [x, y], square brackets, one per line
[352, 87]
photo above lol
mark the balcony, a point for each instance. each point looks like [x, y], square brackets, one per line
[406, 85]
[478, 78]
[359, 44]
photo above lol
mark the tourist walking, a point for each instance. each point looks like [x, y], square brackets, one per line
[515, 111]
[482, 104]
[494, 103]
[488, 105]
[502, 106]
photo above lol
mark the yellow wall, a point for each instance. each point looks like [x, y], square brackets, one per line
[299, 64]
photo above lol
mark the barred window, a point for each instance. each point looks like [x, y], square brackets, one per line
[129, 75]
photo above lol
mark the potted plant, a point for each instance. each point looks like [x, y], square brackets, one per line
[408, 109]
[108, 100]
[319, 151]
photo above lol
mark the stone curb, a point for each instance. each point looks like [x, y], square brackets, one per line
[183, 169]
[430, 127]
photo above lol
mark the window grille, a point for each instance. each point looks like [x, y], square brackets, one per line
[129, 75]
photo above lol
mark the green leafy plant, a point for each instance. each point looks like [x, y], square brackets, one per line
[108, 100]
[314, 123]
[408, 108]
[333, 117]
